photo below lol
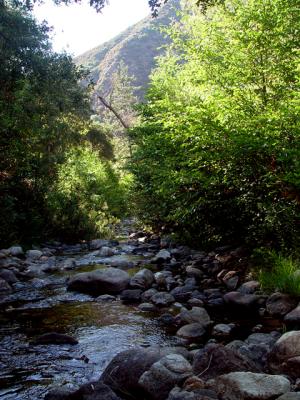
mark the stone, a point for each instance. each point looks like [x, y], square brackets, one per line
[279, 304]
[192, 332]
[222, 330]
[193, 272]
[231, 280]
[69, 264]
[94, 391]
[16, 251]
[289, 396]
[160, 279]
[293, 317]
[242, 301]
[194, 302]
[58, 394]
[131, 295]
[284, 357]
[148, 307]
[162, 299]
[163, 375]
[199, 394]
[98, 243]
[193, 383]
[34, 254]
[196, 314]
[105, 298]
[183, 293]
[143, 279]
[161, 257]
[220, 360]
[5, 288]
[8, 276]
[102, 281]
[249, 287]
[250, 386]
[106, 252]
[146, 296]
[55, 338]
[124, 371]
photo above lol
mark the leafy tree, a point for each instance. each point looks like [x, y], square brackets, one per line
[218, 148]
[44, 113]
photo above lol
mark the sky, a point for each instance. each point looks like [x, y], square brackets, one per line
[78, 28]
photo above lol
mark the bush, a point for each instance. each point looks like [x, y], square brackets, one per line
[86, 198]
[278, 273]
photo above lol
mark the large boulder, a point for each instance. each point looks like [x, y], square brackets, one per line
[102, 281]
[163, 375]
[221, 360]
[285, 355]
[279, 304]
[250, 386]
[143, 279]
[243, 302]
[123, 373]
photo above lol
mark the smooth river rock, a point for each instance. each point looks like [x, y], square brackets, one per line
[102, 281]
[250, 386]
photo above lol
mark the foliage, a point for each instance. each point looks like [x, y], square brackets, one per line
[217, 154]
[277, 272]
[44, 117]
[86, 197]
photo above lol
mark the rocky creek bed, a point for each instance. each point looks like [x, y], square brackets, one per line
[142, 319]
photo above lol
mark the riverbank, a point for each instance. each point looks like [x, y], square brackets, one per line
[178, 321]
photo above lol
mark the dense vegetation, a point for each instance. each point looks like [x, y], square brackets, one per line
[56, 179]
[217, 156]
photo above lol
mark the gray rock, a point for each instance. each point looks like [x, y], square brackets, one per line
[5, 288]
[162, 299]
[102, 281]
[98, 243]
[161, 257]
[143, 279]
[221, 360]
[146, 296]
[284, 357]
[242, 301]
[147, 307]
[290, 396]
[16, 251]
[193, 272]
[55, 338]
[196, 314]
[94, 391]
[106, 252]
[123, 373]
[69, 264]
[279, 304]
[293, 317]
[249, 287]
[160, 279]
[250, 386]
[58, 394]
[8, 276]
[222, 330]
[199, 394]
[34, 254]
[131, 295]
[105, 298]
[183, 293]
[164, 375]
[192, 332]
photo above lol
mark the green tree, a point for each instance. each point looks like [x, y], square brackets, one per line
[218, 149]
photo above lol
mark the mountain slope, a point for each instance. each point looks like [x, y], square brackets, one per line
[137, 47]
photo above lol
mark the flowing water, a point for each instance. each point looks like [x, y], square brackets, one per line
[103, 329]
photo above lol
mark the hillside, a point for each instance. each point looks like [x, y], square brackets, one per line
[137, 47]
